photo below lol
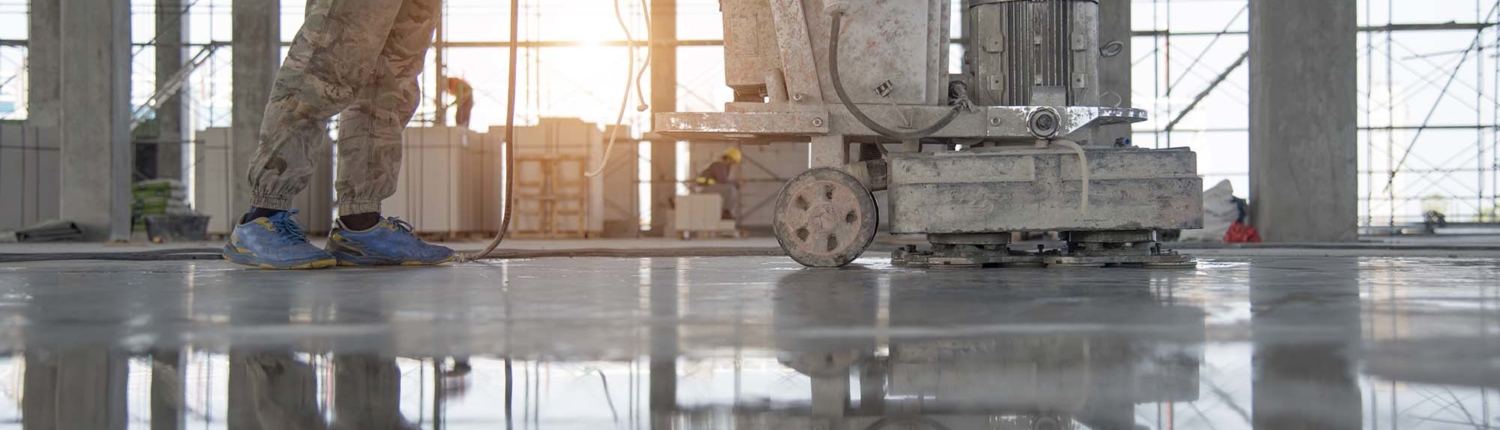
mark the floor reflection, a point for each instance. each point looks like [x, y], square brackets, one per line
[1271, 344]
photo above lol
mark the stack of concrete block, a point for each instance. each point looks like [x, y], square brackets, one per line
[621, 195]
[553, 196]
[29, 183]
[452, 181]
[702, 213]
[442, 180]
[492, 184]
[214, 184]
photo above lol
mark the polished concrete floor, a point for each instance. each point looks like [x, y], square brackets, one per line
[1308, 339]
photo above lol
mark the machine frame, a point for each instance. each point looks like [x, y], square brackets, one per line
[1001, 169]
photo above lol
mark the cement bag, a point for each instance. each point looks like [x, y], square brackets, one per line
[1219, 211]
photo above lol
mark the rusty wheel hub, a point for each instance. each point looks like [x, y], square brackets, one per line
[825, 218]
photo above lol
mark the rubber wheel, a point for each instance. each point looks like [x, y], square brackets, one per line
[825, 218]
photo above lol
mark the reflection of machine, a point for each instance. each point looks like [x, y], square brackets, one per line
[1084, 355]
[1024, 382]
[1044, 381]
[1013, 130]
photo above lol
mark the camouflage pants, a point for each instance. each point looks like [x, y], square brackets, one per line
[357, 59]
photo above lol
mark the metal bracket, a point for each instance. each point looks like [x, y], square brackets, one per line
[795, 44]
[743, 125]
[769, 122]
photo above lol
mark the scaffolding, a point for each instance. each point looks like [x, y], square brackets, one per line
[1428, 108]
[1427, 111]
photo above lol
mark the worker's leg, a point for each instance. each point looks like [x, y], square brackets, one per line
[329, 61]
[731, 196]
[465, 110]
[370, 129]
[370, 151]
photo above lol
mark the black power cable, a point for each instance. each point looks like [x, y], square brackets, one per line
[510, 137]
[838, 86]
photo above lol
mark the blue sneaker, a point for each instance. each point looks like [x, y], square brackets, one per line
[275, 242]
[389, 243]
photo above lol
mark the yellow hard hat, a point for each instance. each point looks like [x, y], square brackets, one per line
[734, 155]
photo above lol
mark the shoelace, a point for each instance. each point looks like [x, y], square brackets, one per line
[287, 227]
[405, 227]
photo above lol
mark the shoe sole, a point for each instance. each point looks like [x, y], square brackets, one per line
[346, 263]
[346, 260]
[244, 258]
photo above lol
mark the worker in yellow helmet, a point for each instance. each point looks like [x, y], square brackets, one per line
[715, 179]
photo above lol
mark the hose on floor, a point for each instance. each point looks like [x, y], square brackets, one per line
[510, 138]
[838, 87]
[153, 255]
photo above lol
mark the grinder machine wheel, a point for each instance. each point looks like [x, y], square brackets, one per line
[825, 218]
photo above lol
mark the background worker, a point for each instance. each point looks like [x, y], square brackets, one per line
[463, 97]
[715, 179]
[358, 59]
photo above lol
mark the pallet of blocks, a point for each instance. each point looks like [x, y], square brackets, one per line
[221, 192]
[701, 215]
[442, 180]
[554, 198]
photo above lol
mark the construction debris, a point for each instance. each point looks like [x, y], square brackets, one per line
[49, 231]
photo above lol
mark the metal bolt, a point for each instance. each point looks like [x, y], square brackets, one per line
[1046, 122]
[1043, 123]
[817, 122]
[797, 97]
[995, 121]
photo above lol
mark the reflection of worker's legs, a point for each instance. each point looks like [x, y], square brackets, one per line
[731, 195]
[370, 129]
[328, 63]
[282, 390]
[367, 392]
[465, 107]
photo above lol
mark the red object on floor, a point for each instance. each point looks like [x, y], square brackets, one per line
[1240, 233]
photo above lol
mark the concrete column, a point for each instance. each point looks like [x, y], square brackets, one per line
[663, 99]
[39, 405]
[1303, 89]
[173, 118]
[39, 196]
[95, 122]
[81, 388]
[257, 56]
[43, 63]
[1114, 71]
[168, 389]
[665, 345]
[1302, 374]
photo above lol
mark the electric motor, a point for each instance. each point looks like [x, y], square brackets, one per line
[1032, 52]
